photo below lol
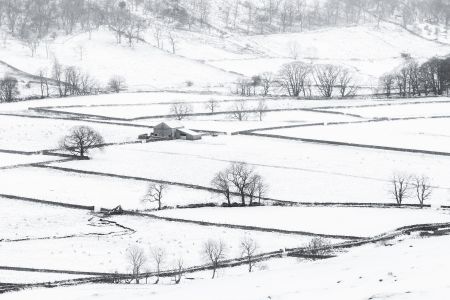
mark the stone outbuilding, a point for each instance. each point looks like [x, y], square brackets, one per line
[174, 131]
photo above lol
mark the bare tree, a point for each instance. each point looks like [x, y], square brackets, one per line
[221, 182]
[249, 247]
[159, 258]
[116, 84]
[293, 77]
[212, 105]
[57, 73]
[8, 89]
[294, 49]
[181, 110]
[214, 252]
[72, 76]
[80, 140]
[179, 267]
[252, 187]
[32, 44]
[261, 108]
[240, 175]
[43, 83]
[422, 189]
[326, 77]
[400, 185]
[347, 87]
[172, 41]
[136, 259]
[267, 80]
[387, 82]
[155, 193]
[157, 34]
[239, 111]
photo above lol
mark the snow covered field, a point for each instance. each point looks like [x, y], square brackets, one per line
[310, 172]
[423, 134]
[10, 160]
[225, 122]
[193, 52]
[363, 222]
[36, 134]
[371, 272]
[130, 111]
[26, 220]
[108, 253]
[34, 277]
[402, 111]
[92, 190]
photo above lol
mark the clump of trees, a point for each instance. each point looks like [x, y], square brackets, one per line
[80, 140]
[240, 179]
[414, 79]
[9, 90]
[406, 186]
[319, 246]
[116, 84]
[69, 81]
[294, 78]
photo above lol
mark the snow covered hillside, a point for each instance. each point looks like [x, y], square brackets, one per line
[209, 61]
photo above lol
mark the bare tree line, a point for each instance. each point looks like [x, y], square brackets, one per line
[414, 79]
[213, 252]
[298, 79]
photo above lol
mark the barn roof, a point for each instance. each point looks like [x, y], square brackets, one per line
[171, 124]
[188, 132]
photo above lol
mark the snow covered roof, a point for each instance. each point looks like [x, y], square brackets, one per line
[188, 132]
[171, 124]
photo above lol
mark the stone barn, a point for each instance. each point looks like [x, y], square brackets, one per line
[175, 131]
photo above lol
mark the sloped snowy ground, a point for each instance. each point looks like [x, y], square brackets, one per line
[412, 269]
[143, 66]
[108, 253]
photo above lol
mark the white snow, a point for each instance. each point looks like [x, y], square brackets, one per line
[363, 222]
[412, 269]
[309, 172]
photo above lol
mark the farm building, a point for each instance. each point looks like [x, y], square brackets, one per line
[175, 131]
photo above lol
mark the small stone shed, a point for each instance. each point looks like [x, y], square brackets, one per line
[175, 131]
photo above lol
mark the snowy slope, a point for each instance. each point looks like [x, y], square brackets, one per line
[143, 66]
[413, 269]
